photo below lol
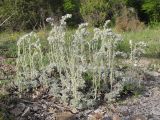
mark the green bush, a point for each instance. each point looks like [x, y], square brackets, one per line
[148, 10]
[94, 12]
[24, 14]
[72, 7]
[31, 14]
[152, 8]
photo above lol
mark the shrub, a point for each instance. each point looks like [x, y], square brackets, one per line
[152, 8]
[128, 21]
[72, 7]
[24, 14]
[94, 12]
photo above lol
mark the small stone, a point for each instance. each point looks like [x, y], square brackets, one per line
[18, 109]
[98, 111]
[155, 74]
[35, 108]
[106, 117]
[16, 112]
[112, 107]
[124, 110]
[21, 106]
[11, 106]
[44, 106]
[116, 117]
[95, 116]
[49, 118]
[147, 94]
[74, 110]
[156, 110]
[21, 118]
[64, 116]
[138, 117]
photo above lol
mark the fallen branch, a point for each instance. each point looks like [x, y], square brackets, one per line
[6, 19]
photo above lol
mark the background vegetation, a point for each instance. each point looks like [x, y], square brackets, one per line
[139, 19]
[31, 14]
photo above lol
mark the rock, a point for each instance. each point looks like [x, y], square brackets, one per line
[106, 117]
[44, 106]
[124, 110]
[98, 114]
[112, 108]
[49, 118]
[74, 110]
[95, 117]
[64, 116]
[18, 109]
[116, 117]
[147, 94]
[21, 106]
[35, 108]
[156, 110]
[138, 117]
[154, 74]
[20, 118]
[11, 106]
[16, 112]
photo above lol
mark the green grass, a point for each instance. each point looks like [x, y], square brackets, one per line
[8, 44]
[149, 35]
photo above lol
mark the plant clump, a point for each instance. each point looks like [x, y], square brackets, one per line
[83, 69]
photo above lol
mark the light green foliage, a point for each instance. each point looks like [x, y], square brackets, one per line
[24, 14]
[30, 14]
[94, 12]
[152, 8]
[70, 6]
[6, 9]
[4, 115]
[150, 36]
[8, 44]
[148, 10]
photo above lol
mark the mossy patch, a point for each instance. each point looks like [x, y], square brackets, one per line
[4, 114]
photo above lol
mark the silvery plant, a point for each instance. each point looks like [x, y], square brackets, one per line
[82, 58]
[137, 50]
[29, 59]
[82, 67]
